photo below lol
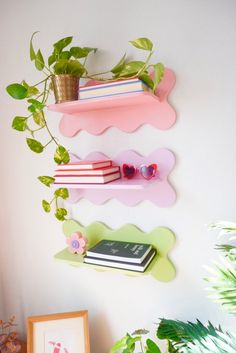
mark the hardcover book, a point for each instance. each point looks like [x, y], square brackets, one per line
[137, 267]
[88, 172]
[113, 88]
[120, 251]
[90, 179]
[84, 165]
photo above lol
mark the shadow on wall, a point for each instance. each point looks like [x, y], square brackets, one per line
[100, 334]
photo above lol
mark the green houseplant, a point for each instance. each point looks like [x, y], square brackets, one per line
[69, 64]
[64, 61]
[189, 337]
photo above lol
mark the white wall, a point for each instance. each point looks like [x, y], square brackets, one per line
[197, 40]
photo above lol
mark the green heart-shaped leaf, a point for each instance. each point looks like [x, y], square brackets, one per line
[62, 192]
[17, 91]
[46, 206]
[32, 52]
[60, 214]
[39, 118]
[35, 145]
[51, 59]
[119, 66]
[159, 70]
[39, 61]
[142, 43]
[62, 43]
[146, 79]
[65, 55]
[61, 155]
[132, 68]
[31, 90]
[46, 180]
[20, 123]
[152, 346]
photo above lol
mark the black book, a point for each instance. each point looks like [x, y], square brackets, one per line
[120, 251]
[121, 264]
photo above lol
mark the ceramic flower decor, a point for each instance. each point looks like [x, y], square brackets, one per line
[77, 243]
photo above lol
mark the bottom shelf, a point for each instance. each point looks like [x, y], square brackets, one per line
[163, 239]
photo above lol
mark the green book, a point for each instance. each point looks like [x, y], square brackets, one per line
[120, 251]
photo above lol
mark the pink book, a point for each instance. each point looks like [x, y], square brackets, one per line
[98, 179]
[87, 172]
[86, 165]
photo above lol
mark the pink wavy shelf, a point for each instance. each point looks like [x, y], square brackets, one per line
[126, 111]
[129, 192]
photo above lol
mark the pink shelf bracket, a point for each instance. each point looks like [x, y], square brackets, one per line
[125, 111]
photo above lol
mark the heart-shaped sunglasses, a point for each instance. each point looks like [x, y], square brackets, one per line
[146, 171]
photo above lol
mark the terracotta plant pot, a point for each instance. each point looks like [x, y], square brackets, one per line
[65, 87]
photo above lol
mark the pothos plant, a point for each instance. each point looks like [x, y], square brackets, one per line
[64, 60]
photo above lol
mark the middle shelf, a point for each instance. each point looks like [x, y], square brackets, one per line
[129, 191]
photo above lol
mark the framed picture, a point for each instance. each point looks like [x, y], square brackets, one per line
[58, 333]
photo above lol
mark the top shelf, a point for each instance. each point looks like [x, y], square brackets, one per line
[112, 102]
[126, 111]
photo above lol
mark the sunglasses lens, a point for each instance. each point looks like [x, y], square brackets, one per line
[129, 171]
[148, 171]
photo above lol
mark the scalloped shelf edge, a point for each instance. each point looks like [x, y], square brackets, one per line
[125, 112]
[163, 239]
[158, 191]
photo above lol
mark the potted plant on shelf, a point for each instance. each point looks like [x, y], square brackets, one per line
[62, 73]
[63, 69]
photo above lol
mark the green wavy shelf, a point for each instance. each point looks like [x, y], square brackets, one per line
[163, 239]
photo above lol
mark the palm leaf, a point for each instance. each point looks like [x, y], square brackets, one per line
[228, 250]
[223, 287]
[224, 227]
[188, 337]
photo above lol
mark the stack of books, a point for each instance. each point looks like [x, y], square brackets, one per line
[87, 172]
[119, 254]
[113, 88]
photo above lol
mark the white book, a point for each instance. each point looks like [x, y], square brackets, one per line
[101, 179]
[113, 88]
[122, 265]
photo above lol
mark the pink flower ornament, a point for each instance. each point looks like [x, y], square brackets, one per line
[77, 243]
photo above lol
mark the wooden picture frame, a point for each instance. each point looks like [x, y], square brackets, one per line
[58, 333]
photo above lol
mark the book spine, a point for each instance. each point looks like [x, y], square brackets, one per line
[110, 84]
[110, 94]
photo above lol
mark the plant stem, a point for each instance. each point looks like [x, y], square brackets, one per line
[41, 81]
[48, 143]
[56, 201]
[52, 200]
[48, 130]
[141, 346]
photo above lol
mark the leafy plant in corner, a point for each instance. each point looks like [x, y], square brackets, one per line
[129, 342]
[61, 61]
[223, 281]
[196, 337]
[189, 337]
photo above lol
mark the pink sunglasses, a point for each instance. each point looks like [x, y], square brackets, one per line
[146, 171]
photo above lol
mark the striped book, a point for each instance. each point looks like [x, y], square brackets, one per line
[113, 88]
